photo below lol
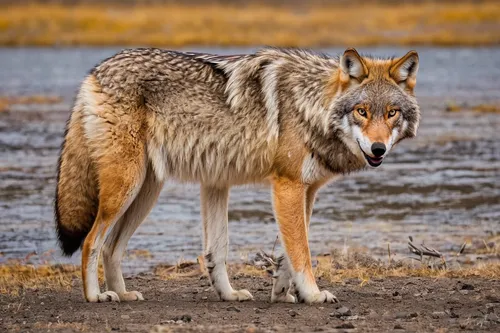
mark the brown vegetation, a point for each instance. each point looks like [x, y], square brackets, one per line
[316, 24]
[17, 277]
[7, 101]
[482, 108]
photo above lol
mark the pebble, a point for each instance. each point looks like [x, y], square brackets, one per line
[406, 315]
[467, 286]
[204, 298]
[346, 326]
[492, 305]
[293, 313]
[398, 327]
[493, 317]
[343, 311]
[125, 316]
[438, 314]
[451, 313]
[233, 308]
[184, 318]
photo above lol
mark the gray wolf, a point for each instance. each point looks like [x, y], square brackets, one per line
[293, 118]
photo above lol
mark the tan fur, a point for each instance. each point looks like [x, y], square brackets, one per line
[147, 115]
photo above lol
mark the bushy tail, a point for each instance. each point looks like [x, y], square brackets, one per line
[76, 199]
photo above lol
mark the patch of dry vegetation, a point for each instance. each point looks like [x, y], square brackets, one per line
[7, 101]
[17, 277]
[338, 267]
[481, 108]
[305, 25]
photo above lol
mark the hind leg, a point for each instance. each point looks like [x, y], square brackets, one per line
[117, 240]
[214, 211]
[120, 179]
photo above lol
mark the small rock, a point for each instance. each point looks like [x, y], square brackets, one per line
[398, 327]
[467, 286]
[125, 316]
[396, 293]
[493, 298]
[293, 313]
[233, 308]
[493, 317]
[406, 315]
[438, 314]
[346, 326]
[464, 324]
[204, 298]
[492, 305]
[257, 310]
[343, 311]
[184, 318]
[451, 313]
[464, 292]
[401, 315]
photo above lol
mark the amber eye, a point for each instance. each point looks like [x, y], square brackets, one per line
[392, 113]
[361, 111]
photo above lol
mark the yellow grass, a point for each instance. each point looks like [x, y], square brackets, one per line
[482, 108]
[16, 278]
[7, 101]
[450, 23]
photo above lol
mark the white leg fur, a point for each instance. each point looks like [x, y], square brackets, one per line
[116, 243]
[92, 290]
[282, 282]
[93, 293]
[215, 222]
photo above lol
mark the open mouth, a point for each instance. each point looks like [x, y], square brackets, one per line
[373, 161]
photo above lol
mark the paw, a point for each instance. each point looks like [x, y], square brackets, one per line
[107, 296]
[319, 297]
[283, 298]
[131, 296]
[237, 295]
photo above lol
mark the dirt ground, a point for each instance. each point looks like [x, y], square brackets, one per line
[189, 305]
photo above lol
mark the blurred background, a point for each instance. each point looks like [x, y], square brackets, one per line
[442, 188]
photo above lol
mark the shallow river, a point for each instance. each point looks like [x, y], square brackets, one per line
[442, 188]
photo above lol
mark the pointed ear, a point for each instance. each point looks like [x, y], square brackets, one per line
[352, 66]
[404, 71]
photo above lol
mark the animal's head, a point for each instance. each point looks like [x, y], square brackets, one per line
[376, 103]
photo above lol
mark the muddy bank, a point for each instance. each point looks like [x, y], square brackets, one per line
[189, 305]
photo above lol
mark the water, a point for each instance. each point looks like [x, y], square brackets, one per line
[442, 187]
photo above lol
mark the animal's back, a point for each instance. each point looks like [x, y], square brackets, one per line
[194, 134]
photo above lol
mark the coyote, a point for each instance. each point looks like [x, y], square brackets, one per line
[289, 117]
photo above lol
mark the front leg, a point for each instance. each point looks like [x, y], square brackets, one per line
[214, 212]
[289, 199]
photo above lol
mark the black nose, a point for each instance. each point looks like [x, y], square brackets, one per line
[378, 149]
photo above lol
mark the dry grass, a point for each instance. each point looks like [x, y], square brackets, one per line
[7, 101]
[482, 108]
[17, 277]
[339, 267]
[450, 23]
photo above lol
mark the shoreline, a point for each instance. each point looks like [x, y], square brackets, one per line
[214, 24]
